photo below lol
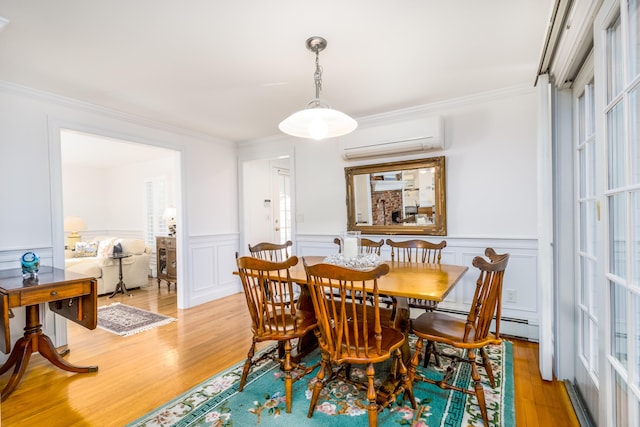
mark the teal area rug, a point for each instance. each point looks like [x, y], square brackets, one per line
[217, 402]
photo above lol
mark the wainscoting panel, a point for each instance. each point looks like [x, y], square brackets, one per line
[211, 263]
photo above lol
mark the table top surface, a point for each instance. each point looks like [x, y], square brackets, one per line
[412, 280]
[12, 280]
[120, 255]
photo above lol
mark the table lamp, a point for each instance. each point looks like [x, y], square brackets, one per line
[73, 224]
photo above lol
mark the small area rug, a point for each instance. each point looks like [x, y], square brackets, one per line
[125, 320]
[217, 402]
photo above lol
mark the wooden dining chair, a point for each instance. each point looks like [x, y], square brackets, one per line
[275, 252]
[420, 252]
[351, 333]
[367, 246]
[273, 319]
[271, 251]
[470, 335]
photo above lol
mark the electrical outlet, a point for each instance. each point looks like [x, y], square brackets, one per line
[510, 295]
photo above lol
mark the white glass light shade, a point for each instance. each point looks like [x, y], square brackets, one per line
[318, 123]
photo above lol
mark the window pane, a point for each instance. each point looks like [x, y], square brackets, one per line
[636, 336]
[583, 172]
[584, 280]
[614, 60]
[583, 226]
[635, 236]
[591, 109]
[581, 119]
[615, 140]
[595, 365]
[591, 171]
[594, 301]
[585, 348]
[619, 394]
[591, 227]
[634, 42]
[617, 235]
[634, 137]
[619, 323]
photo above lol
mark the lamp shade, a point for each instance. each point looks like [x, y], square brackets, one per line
[318, 123]
[74, 224]
[169, 213]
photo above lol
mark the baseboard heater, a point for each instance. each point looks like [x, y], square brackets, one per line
[506, 330]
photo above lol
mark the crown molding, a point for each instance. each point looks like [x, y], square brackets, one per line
[63, 101]
[437, 107]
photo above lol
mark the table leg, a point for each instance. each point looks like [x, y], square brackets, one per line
[34, 340]
[121, 287]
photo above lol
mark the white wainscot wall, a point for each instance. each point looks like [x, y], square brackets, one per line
[519, 294]
[211, 261]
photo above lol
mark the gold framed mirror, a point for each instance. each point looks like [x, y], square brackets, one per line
[407, 197]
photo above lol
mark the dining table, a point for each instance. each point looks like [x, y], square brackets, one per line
[404, 280]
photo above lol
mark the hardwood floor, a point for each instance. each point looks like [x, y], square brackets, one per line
[141, 372]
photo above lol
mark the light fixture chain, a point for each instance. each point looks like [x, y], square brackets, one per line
[317, 76]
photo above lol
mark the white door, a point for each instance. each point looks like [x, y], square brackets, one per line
[587, 254]
[281, 212]
[617, 46]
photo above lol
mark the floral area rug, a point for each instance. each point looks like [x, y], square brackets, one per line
[124, 320]
[217, 402]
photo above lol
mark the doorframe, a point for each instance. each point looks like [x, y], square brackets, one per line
[264, 151]
[55, 126]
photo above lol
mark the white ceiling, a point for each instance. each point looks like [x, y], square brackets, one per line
[235, 69]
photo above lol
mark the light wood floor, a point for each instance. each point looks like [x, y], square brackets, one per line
[141, 372]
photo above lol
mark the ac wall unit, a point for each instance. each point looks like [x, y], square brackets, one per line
[406, 137]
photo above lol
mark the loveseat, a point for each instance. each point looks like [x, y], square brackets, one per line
[92, 259]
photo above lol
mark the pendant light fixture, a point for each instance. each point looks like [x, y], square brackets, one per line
[318, 120]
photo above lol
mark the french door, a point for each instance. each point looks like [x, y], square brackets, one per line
[617, 46]
[587, 255]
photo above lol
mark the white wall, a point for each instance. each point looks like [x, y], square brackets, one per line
[490, 162]
[112, 199]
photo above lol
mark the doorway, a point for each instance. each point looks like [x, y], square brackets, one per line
[266, 201]
[118, 187]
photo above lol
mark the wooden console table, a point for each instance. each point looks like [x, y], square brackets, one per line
[166, 261]
[70, 295]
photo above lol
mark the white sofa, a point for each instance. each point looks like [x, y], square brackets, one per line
[95, 262]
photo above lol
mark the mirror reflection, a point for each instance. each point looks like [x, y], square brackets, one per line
[397, 198]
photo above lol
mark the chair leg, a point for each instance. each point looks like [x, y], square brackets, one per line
[288, 381]
[487, 366]
[406, 383]
[415, 359]
[247, 365]
[478, 387]
[371, 395]
[430, 349]
[317, 387]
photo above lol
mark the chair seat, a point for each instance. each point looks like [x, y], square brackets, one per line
[392, 339]
[441, 326]
[294, 327]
